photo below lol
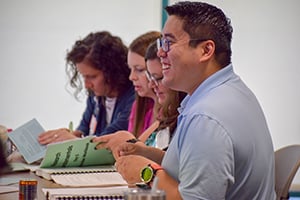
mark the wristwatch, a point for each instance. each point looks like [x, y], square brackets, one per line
[148, 172]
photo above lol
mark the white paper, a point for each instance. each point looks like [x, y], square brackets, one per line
[7, 189]
[5, 181]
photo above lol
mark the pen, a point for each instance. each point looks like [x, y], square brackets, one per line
[47, 195]
[71, 126]
[133, 140]
[98, 144]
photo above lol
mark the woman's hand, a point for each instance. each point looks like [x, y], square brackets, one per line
[127, 148]
[113, 141]
[57, 135]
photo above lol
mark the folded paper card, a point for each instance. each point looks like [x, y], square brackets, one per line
[25, 138]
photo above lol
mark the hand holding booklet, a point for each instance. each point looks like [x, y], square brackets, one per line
[72, 153]
[70, 163]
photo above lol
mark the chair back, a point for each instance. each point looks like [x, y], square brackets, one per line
[287, 162]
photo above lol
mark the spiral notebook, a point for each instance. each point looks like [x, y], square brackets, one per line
[47, 173]
[95, 193]
[83, 176]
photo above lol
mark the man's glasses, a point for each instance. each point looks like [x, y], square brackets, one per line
[152, 78]
[164, 43]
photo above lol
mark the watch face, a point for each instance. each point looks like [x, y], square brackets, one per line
[147, 174]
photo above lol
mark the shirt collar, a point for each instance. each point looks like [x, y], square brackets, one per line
[211, 82]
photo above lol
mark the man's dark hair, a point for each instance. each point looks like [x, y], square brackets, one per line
[205, 21]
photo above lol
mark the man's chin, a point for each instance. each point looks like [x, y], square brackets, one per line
[166, 82]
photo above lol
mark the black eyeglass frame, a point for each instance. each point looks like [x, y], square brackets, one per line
[164, 43]
[152, 78]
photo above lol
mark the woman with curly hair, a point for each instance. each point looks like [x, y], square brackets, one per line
[100, 61]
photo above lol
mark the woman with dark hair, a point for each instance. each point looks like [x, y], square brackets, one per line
[168, 99]
[100, 59]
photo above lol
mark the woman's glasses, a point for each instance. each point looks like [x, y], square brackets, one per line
[155, 80]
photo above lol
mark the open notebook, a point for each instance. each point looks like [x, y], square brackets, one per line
[83, 176]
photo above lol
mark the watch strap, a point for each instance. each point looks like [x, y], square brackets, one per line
[155, 167]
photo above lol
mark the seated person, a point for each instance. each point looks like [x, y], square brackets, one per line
[4, 166]
[222, 147]
[143, 112]
[96, 58]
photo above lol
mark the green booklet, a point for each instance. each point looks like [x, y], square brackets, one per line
[72, 153]
[76, 153]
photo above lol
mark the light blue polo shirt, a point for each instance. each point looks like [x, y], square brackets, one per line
[222, 148]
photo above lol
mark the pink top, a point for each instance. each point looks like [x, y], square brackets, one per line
[148, 116]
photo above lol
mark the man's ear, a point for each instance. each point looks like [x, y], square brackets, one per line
[207, 49]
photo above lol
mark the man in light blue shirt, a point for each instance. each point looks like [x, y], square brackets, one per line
[222, 148]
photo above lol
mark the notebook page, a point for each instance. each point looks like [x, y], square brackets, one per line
[89, 179]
